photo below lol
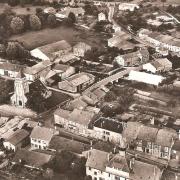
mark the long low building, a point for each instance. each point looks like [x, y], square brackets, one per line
[145, 78]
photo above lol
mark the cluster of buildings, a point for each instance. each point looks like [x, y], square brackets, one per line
[140, 149]
[160, 40]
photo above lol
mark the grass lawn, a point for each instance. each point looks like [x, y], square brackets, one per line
[33, 39]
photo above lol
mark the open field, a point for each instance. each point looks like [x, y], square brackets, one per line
[33, 39]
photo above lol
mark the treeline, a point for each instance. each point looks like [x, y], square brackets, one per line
[11, 23]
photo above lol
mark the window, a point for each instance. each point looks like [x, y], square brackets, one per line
[95, 173]
[90, 168]
[108, 133]
[95, 178]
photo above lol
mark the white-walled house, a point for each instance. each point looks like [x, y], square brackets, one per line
[101, 17]
[128, 6]
[40, 137]
[108, 129]
[149, 68]
[10, 70]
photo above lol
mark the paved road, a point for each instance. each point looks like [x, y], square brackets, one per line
[111, 78]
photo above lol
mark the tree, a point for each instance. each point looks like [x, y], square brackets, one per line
[72, 17]
[110, 96]
[5, 89]
[88, 178]
[35, 22]
[16, 50]
[17, 25]
[12, 50]
[8, 10]
[62, 161]
[51, 20]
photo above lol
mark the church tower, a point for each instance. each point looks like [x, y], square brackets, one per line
[21, 88]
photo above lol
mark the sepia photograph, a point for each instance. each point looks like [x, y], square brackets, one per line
[89, 89]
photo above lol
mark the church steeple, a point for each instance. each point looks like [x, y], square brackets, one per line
[21, 88]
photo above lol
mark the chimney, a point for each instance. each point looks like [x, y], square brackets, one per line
[152, 121]
[132, 161]
[176, 177]
[109, 156]
[114, 150]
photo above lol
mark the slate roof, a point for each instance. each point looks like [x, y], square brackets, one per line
[109, 124]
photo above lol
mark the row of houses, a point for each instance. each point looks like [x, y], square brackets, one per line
[160, 40]
[99, 165]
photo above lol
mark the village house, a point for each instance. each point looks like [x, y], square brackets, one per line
[77, 83]
[76, 121]
[103, 165]
[80, 49]
[150, 140]
[128, 6]
[10, 70]
[78, 11]
[101, 17]
[133, 59]
[31, 159]
[175, 154]
[159, 65]
[63, 71]
[118, 39]
[93, 97]
[41, 137]
[64, 13]
[52, 51]
[66, 59]
[18, 140]
[35, 72]
[108, 129]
